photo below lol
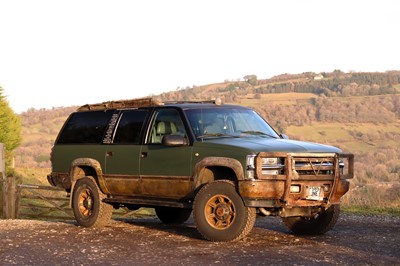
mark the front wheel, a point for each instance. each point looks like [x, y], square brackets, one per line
[220, 214]
[87, 204]
[317, 225]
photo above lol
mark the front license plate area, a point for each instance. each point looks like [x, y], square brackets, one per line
[314, 193]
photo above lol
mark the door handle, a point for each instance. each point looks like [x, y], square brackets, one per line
[143, 155]
[109, 154]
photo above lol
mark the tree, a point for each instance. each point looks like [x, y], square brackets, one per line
[10, 128]
[251, 79]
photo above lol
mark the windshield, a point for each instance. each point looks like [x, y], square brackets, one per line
[228, 121]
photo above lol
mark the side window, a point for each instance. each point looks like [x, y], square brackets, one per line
[85, 127]
[130, 126]
[165, 122]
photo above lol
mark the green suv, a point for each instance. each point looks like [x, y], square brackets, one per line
[222, 163]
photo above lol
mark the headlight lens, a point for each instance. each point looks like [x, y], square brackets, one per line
[271, 166]
[269, 161]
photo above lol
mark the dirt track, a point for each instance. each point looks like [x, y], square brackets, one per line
[355, 240]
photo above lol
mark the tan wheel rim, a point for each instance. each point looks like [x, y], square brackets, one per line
[86, 203]
[220, 212]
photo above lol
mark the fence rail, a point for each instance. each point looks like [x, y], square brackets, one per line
[38, 202]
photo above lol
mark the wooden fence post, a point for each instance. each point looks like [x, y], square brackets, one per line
[11, 197]
[8, 189]
[2, 181]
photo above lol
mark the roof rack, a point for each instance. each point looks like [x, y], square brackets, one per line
[217, 101]
[133, 103]
[176, 102]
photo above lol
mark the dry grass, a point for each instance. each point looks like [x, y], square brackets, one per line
[383, 197]
[37, 176]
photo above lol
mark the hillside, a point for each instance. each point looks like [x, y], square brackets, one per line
[358, 112]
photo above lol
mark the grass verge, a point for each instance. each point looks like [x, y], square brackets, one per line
[354, 209]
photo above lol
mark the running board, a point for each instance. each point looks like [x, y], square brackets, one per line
[148, 202]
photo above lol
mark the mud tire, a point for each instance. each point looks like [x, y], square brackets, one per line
[87, 204]
[318, 225]
[220, 214]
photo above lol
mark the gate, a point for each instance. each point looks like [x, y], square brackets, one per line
[42, 202]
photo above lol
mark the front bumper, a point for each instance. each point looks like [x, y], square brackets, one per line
[304, 171]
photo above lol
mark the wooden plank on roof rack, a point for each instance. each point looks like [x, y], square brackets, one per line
[200, 102]
[132, 103]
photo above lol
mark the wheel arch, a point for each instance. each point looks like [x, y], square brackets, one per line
[215, 168]
[83, 167]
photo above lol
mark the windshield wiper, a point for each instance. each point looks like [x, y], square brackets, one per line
[216, 135]
[250, 132]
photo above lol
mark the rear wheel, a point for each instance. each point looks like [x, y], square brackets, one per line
[220, 214]
[87, 204]
[171, 215]
[317, 225]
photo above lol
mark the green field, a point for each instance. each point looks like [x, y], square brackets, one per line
[277, 99]
[340, 135]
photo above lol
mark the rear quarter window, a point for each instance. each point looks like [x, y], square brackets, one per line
[85, 127]
[130, 126]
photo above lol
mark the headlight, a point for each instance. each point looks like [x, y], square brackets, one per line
[269, 161]
[271, 166]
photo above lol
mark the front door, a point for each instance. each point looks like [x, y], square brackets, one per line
[165, 170]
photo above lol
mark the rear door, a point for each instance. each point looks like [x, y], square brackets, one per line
[122, 155]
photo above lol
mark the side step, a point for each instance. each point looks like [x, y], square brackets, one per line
[148, 202]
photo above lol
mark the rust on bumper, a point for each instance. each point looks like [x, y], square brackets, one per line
[297, 174]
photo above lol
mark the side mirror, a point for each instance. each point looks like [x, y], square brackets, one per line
[284, 136]
[174, 140]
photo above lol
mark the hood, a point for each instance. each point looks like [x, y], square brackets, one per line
[258, 144]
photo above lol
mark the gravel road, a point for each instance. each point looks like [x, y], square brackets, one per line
[355, 240]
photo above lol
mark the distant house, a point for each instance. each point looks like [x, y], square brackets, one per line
[318, 77]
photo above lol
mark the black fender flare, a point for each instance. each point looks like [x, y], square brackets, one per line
[77, 173]
[200, 167]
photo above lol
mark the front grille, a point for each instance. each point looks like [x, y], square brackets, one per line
[314, 166]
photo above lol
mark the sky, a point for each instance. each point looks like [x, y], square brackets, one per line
[68, 53]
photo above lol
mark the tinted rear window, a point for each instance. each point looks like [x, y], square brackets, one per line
[85, 127]
[130, 126]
